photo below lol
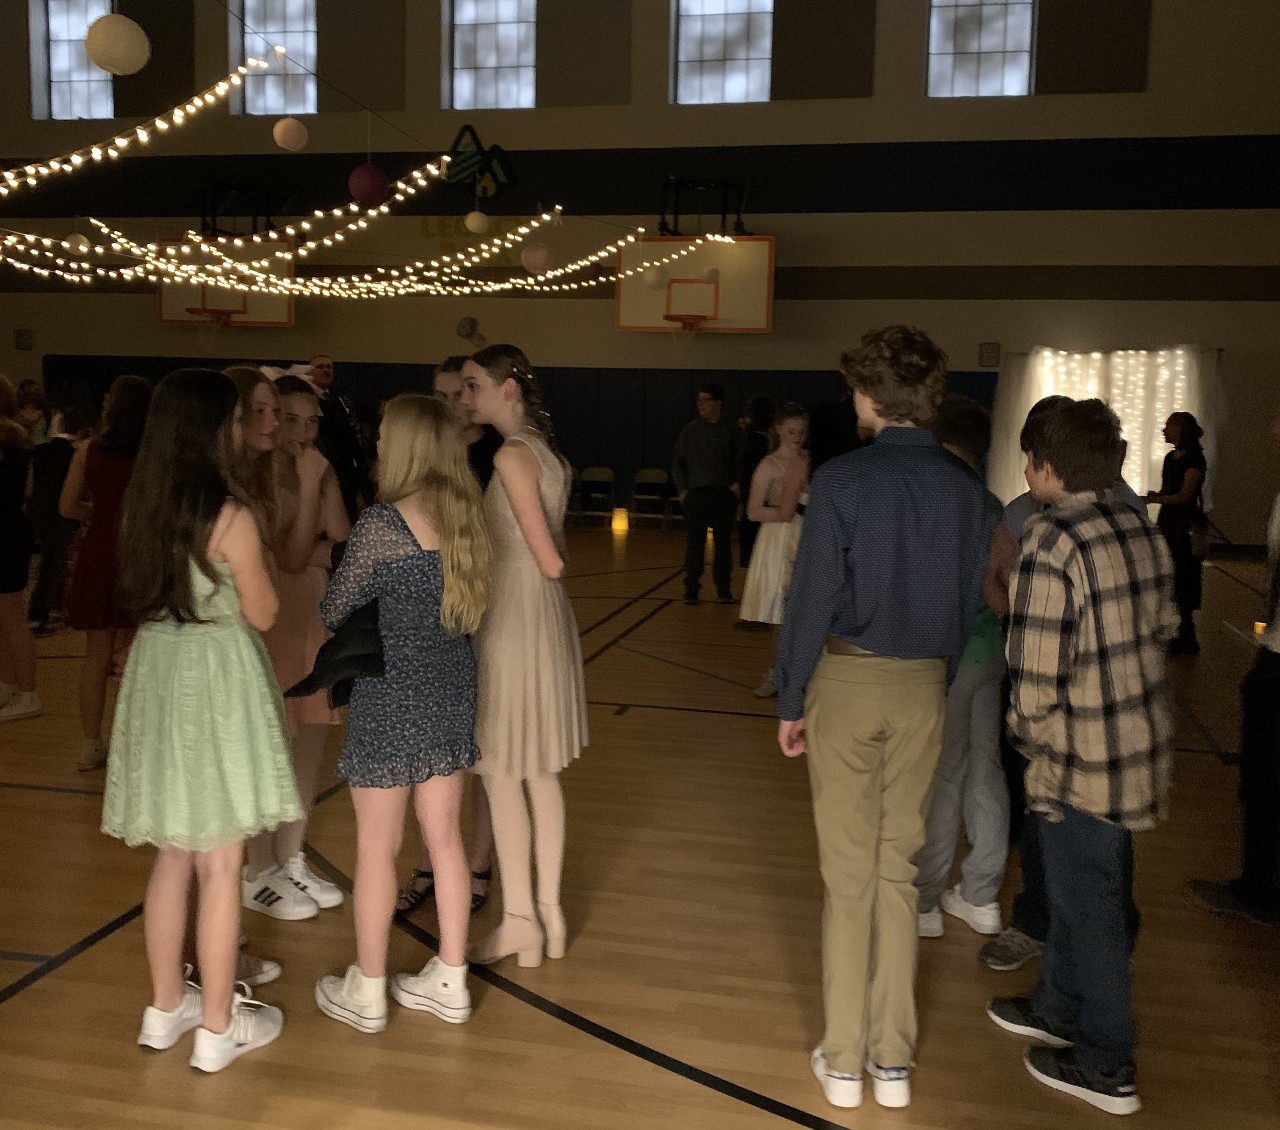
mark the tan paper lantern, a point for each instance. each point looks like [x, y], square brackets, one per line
[290, 134]
[117, 44]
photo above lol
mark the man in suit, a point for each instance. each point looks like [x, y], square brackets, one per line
[339, 438]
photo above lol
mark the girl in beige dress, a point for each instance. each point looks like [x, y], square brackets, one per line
[531, 718]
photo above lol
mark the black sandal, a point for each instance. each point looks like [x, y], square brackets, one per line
[478, 901]
[411, 897]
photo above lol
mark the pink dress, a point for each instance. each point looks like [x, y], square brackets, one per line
[293, 642]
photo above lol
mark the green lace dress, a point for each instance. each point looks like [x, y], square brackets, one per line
[199, 757]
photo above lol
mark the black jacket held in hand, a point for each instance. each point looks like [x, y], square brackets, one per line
[353, 652]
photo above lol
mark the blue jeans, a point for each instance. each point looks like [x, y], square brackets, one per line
[1085, 980]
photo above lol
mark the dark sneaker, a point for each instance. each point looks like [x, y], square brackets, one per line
[1226, 899]
[691, 598]
[1015, 1014]
[1116, 1093]
[1010, 949]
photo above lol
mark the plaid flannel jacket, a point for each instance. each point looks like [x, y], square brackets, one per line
[1091, 614]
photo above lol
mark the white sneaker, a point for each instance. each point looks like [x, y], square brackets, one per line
[439, 988]
[160, 1029]
[980, 919]
[355, 999]
[253, 1025]
[255, 971]
[890, 1085]
[272, 893]
[22, 704]
[841, 1090]
[93, 755]
[322, 892]
[929, 923]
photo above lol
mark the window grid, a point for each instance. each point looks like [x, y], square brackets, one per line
[980, 49]
[724, 51]
[77, 87]
[287, 88]
[494, 65]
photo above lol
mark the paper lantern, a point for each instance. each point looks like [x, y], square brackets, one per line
[116, 44]
[477, 223]
[536, 258]
[655, 278]
[711, 275]
[290, 134]
[78, 244]
[368, 185]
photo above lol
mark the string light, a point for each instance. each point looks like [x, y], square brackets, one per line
[30, 176]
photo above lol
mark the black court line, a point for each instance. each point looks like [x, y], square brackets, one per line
[626, 632]
[51, 788]
[610, 1036]
[29, 958]
[687, 710]
[58, 960]
[1227, 757]
[686, 667]
[1238, 580]
[617, 572]
[632, 601]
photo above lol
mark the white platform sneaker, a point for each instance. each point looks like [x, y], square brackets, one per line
[439, 988]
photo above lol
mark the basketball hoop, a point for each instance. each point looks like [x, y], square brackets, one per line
[218, 319]
[686, 323]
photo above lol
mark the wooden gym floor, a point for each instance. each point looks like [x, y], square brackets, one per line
[690, 995]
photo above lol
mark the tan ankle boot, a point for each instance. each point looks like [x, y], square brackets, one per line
[515, 935]
[553, 926]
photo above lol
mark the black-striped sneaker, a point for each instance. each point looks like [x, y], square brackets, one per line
[1116, 1093]
[1016, 1015]
[273, 894]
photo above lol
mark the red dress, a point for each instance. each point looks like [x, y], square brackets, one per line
[92, 604]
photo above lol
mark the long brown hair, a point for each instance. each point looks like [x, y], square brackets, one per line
[422, 452]
[125, 416]
[503, 362]
[253, 472]
[179, 485]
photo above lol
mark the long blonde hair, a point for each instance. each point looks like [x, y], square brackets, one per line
[422, 452]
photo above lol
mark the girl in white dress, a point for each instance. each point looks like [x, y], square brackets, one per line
[770, 571]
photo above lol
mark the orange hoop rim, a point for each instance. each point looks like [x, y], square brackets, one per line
[688, 323]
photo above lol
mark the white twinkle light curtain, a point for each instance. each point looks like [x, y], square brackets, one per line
[1141, 386]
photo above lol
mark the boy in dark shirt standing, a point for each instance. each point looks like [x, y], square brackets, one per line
[885, 591]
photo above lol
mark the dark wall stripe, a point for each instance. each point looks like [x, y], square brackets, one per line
[1148, 173]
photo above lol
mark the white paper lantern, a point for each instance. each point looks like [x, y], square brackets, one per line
[290, 134]
[477, 223]
[117, 44]
[711, 275]
[655, 278]
[78, 244]
[537, 258]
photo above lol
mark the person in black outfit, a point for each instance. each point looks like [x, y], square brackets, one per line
[1179, 498]
[50, 462]
[705, 469]
[755, 446]
[339, 438]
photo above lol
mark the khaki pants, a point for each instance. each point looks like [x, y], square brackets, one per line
[874, 729]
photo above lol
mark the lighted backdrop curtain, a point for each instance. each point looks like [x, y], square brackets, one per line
[1142, 387]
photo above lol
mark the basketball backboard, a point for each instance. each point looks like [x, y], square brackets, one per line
[729, 286]
[199, 305]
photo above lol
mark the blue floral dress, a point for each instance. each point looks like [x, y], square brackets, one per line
[415, 721]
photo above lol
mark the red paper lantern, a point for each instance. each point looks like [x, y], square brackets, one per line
[368, 185]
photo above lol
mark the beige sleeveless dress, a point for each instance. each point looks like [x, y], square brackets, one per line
[531, 717]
